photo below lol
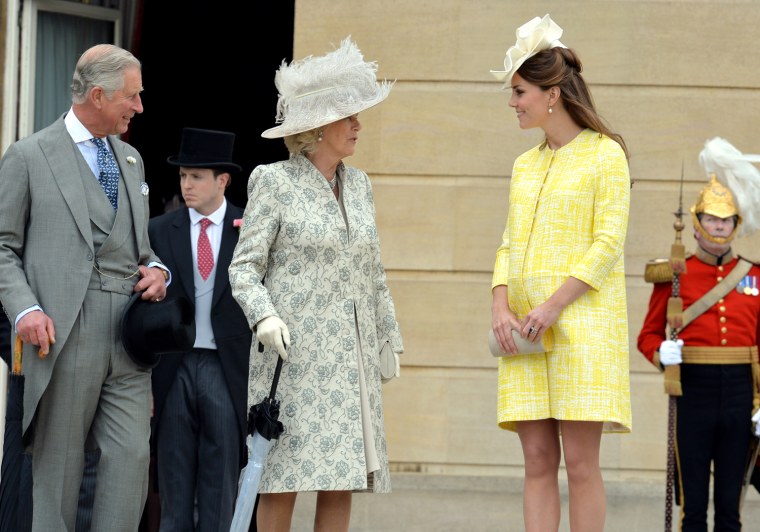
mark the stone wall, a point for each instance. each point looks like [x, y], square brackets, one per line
[667, 75]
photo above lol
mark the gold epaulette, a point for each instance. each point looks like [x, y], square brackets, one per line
[659, 270]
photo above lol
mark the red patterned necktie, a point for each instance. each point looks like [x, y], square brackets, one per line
[205, 255]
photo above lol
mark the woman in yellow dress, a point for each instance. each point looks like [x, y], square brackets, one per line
[559, 279]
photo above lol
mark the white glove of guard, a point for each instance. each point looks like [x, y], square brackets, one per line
[756, 421]
[273, 333]
[670, 352]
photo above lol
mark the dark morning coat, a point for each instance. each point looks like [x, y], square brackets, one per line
[170, 239]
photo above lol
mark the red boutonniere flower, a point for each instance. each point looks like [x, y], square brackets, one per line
[237, 222]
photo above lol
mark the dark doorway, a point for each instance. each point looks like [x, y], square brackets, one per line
[209, 64]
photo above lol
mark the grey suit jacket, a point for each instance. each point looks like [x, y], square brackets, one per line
[46, 248]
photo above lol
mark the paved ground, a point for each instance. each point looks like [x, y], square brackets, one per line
[426, 503]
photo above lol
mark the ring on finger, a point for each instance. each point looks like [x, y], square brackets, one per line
[532, 330]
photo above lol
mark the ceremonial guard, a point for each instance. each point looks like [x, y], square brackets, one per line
[702, 329]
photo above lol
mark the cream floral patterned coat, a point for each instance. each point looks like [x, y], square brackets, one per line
[325, 280]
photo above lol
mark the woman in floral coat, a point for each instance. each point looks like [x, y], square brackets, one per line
[307, 273]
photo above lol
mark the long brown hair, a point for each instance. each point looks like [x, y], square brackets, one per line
[561, 67]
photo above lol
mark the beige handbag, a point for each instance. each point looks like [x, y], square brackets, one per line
[524, 347]
[387, 361]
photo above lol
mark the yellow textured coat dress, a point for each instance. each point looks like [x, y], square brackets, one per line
[568, 215]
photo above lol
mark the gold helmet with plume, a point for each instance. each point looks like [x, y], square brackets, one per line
[733, 190]
[717, 200]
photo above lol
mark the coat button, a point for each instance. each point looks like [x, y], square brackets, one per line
[89, 255]
[723, 342]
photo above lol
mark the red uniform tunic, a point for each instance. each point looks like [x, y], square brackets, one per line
[731, 322]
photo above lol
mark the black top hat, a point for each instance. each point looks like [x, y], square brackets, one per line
[205, 148]
[150, 329]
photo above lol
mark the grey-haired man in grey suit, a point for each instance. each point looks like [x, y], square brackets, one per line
[73, 248]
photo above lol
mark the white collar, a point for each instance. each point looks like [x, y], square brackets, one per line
[76, 129]
[216, 217]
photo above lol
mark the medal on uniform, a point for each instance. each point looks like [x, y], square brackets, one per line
[742, 284]
[747, 287]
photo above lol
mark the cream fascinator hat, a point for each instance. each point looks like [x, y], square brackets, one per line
[534, 36]
[729, 168]
[316, 91]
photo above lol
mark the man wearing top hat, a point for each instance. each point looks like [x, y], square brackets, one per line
[200, 396]
[715, 352]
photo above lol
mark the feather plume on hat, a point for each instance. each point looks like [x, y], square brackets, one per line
[316, 91]
[735, 170]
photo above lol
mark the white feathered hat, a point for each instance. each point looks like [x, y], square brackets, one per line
[316, 91]
[736, 171]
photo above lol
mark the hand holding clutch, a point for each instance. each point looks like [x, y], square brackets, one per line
[273, 333]
[524, 347]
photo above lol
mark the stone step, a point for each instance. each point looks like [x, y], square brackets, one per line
[447, 503]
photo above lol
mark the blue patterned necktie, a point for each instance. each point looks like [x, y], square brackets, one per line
[109, 172]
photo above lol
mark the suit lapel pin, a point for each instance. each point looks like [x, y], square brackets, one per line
[144, 189]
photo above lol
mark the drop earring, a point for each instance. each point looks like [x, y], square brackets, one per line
[320, 135]
[550, 110]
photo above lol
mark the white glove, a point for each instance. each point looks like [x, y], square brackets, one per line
[756, 421]
[670, 352]
[273, 333]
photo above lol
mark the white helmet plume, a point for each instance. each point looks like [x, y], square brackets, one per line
[736, 171]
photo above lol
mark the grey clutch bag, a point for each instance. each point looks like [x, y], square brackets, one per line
[524, 347]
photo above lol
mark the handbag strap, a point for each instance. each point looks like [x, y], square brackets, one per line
[718, 291]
